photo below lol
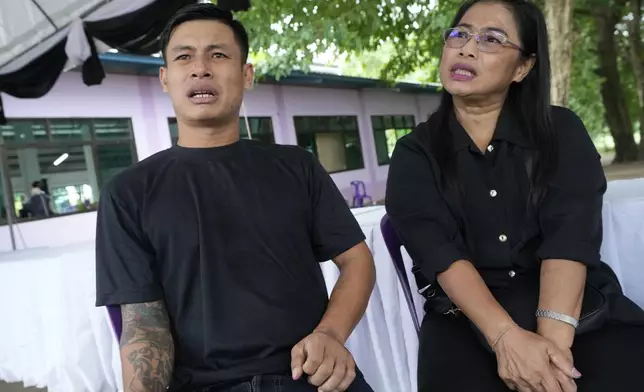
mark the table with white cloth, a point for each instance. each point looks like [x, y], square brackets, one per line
[623, 244]
[51, 334]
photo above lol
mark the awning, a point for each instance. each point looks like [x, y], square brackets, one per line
[39, 39]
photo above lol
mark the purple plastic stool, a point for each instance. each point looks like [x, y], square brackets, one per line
[359, 194]
[394, 244]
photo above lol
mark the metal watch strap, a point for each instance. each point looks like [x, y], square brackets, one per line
[557, 316]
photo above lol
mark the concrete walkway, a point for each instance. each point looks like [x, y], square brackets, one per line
[624, 171]
[4, 387]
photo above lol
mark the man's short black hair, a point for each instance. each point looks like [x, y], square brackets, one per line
[205, 11]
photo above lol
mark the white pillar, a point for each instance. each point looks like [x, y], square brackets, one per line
[29, 168]
[91, 172]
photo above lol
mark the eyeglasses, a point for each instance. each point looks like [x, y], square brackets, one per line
[489, 41]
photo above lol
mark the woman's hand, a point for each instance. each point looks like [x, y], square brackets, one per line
[562, 336]
[529, 363]
[566, 383]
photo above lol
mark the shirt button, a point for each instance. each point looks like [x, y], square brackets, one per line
[493, 193]
[490, 148]
[512, 274]
[503, 238]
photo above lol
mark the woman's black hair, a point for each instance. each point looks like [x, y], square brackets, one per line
[530, 100]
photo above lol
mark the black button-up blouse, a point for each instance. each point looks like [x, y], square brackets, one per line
[491, 224]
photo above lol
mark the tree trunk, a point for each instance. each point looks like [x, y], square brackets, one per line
[617, 118]
[636, 51]
[560, 39]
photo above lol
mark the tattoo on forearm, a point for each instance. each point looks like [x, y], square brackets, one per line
[147, 347]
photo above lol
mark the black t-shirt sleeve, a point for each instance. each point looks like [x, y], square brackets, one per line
[418, 212]
[570, 215]
[335, 229]
[124, 259]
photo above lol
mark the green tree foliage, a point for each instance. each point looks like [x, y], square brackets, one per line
[402, 40]
[585, 97]
[288, 33]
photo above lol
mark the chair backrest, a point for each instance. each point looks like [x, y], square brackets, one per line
[394, 244]
[359, 194]
[359, 188]
[117, 319]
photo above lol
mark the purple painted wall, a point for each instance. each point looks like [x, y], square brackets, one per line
[143, 101]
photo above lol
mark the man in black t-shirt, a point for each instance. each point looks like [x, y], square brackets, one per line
[212, 247]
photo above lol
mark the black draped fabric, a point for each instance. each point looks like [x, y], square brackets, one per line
[36, 79]
[93, 72]
[135, 32]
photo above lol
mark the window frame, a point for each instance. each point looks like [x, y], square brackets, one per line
[12, 146]
[354, 120]
[382, 128]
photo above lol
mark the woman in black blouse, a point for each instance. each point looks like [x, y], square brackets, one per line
[498, 199]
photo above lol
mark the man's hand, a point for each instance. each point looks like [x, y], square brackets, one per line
[329, 365]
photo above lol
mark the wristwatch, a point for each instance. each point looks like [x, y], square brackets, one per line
[557, 316]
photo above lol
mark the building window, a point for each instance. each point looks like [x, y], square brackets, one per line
[261, 128]
[386, 131]
[335, 140]
[67, 159]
